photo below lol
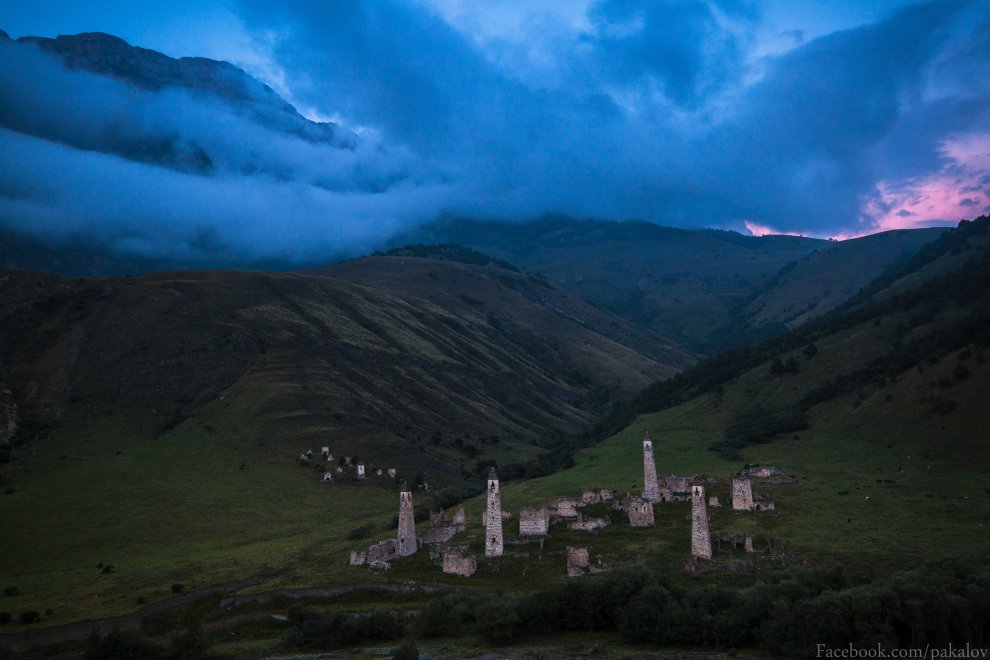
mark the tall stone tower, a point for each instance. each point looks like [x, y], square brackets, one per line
[493, 518]
[406, 541]
[651, 491]
[701, 542]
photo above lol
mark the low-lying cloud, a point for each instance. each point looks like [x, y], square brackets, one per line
[655, 111]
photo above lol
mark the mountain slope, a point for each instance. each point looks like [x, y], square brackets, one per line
[110, 56]
[680, 283]
[824, 279]
[319, 358]
[877, 411]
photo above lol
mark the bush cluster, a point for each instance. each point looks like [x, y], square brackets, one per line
[787, 615]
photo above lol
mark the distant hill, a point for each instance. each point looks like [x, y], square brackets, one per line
[413, 361]
[822, 280]
[680, 283]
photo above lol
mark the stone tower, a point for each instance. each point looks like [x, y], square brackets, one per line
[651, 491]
[493, 518]
[701, 542]
[742, 494]
[406, 541]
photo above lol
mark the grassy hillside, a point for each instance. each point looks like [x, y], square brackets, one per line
[154, 422]
[890, 455]
[680, 283]
[821, 281]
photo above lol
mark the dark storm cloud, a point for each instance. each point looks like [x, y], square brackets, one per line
[154, 172]
[652, 110]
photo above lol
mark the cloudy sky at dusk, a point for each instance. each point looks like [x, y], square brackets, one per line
[817, 117]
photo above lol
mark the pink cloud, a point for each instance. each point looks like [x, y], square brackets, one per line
[959, 190]
[764, 230]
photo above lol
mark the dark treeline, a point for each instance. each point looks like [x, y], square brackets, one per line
[963, 286]
[787, 615]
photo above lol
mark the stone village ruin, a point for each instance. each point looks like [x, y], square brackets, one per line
[536, 522]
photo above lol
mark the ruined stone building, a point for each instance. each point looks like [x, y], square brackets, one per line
[565, 507]
[441, 529]
[534, 522]
[639, 510]
[456, 564]
[406, 537]
[763, 503]
[701, 542]
[382, 551]
[651, 490]
[493, 518]
[595, 496]
[676, 484]
[360, 470]
[588, 524]
[577, 561]
[742, 494]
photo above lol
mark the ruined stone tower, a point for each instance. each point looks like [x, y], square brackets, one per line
[651, 491]
[406, 540]
[742, 494]
[701, 542]
[493, 518]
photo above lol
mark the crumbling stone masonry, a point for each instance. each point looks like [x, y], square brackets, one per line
[406, 537]
[493, 518]
[678, 484]
[763, 503]
[589, 524]
[713, 502]
[577, 561]
[382, 551]
[358, 558]
[639, 510]
[651, 491]
[459, 518]
[456, 564]
[701, 542]
[534, 522]
[595, 495]
[742, 494]
[565, 507]
[441, 529]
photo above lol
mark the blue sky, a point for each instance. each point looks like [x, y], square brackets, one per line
[817, 117]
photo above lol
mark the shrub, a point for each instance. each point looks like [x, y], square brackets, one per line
[11, 591]
[5, 618]
[407, 650]
[29, 616]
[177, 588]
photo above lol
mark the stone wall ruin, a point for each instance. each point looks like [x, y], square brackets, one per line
[742, 494]
[533, 521]
[639, 510]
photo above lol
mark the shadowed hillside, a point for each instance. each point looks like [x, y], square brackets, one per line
[819, 282]
[876, 410]
[369, 366]
[680, 283]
